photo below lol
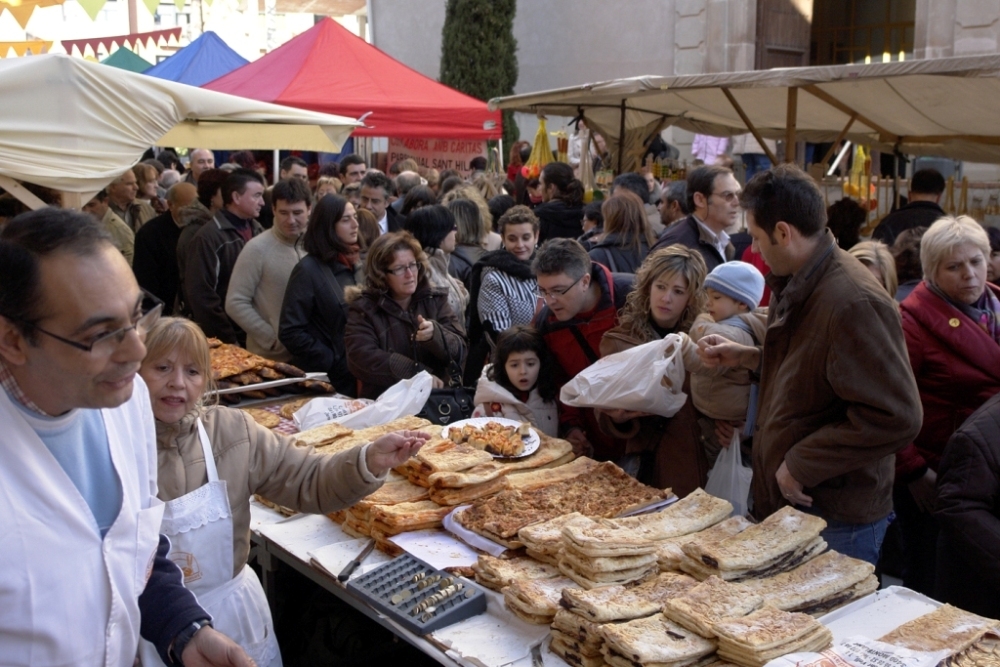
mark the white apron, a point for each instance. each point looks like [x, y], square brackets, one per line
[200, 528]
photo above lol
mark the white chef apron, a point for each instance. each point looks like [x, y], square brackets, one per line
[200, 528]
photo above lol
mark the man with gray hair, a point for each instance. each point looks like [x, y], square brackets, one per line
[673, 204]
[406, 181]
[155, 264]
[200, 159]
[122, 193]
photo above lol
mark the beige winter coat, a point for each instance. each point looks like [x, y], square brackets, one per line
[724, 393]
[252, 459]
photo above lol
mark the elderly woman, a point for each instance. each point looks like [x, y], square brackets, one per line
[314, 310]
[878, 260]
[952, 326]
[211, 459]
[399, 324]
[667, 298]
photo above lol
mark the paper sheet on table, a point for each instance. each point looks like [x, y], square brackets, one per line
[878, 614]
[437, 548]
[303, 533]
[862, 652]
[472, 539]
[494, 638]
[334, 557]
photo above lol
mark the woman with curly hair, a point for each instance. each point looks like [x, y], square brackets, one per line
[668, 296]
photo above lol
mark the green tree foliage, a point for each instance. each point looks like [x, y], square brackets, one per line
[479, 53]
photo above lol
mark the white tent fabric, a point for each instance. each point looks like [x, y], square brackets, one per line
[945, 106]
[73, 125]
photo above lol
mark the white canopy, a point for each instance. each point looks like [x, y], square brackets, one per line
[73, 125]
[944, 106]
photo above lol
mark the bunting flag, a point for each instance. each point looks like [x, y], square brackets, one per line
[92, 7]
[32, 47]
[22, 10]
[149, 39]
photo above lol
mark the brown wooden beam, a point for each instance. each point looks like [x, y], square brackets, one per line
[942, 138]
[791, 115]
[21, 193]
[886, 135]
[840, 137]
[750, 126]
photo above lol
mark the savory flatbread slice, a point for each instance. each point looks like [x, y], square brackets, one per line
[654, 639]
[393, 493]
[535, 478]
[591, 566]
[606, 578]
[564, 650]
[617, 603]
[766, 628]
[604, 539]
[497, 573]
[586, 633]
[441, 455]
[816, 640]
[477, 474]
[466, 494]
[824, 577]
[409, 515]
[671, 553]
[322, 435]
[700, 607]
[547, 535]
[945, 628]
[536, 597]
[695, 512]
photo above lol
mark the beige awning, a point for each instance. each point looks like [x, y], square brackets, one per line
[945, 106]
[73, 125]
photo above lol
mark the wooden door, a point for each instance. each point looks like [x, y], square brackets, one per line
[783, 33]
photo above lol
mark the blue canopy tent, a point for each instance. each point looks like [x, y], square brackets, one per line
[201, 61]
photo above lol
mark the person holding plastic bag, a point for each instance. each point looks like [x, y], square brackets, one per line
[211, 459]
[668, 296]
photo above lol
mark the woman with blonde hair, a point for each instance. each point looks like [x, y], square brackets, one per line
[876, 257]
[147, 184]
[469, 243]
[627, 237]
[668, 296]
[212, 459]
[468, 191]
[399, 324]
[326, 185]
[951, 322]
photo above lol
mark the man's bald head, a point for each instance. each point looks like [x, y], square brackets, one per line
[406, 181]
[201, 159]
[179, 196]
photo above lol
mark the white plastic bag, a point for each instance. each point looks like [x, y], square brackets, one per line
[324, 409]
[406, 397]
[645, 378]
[729, 479]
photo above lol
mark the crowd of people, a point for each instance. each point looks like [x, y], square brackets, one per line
[859, 379]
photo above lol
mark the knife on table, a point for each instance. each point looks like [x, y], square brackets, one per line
[346, 573]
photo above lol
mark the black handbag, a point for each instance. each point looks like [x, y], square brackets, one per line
[451, 404]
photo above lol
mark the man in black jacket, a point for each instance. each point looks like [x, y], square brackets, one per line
[713, 196]
[213, 252]
[922, 210]
[156, 248]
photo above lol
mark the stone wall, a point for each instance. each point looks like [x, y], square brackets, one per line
[956, 28]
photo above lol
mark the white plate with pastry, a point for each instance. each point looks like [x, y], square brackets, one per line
[503, 438]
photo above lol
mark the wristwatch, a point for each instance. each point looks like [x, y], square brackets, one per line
[176, 649]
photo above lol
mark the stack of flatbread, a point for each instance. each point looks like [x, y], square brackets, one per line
[333, 438]
[440, 455]
[388, 520]
[463, 486]
[820, 585]
[535, 600]
[602, 554]
[713, 600]
[696, 512]
[945, 628]
[603, 491]
[766, 634]
[779, 543]
[498, 573]
[576, 627]
[357, 519]
[544, 540]
[670, 551]
[525, 479]
[654, 641]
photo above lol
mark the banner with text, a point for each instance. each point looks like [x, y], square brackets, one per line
[437, 154]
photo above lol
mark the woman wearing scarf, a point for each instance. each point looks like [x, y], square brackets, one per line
[314, 312]
[951, 321]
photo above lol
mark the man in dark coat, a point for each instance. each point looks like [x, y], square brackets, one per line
[155, 263]
[714, 199]
[922, 210]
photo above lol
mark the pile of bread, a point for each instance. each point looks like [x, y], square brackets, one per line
[971, 640]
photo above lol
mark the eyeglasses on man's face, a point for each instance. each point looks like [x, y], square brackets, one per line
[728, 196]
[557, 292]
[105, 344]
[403, 270]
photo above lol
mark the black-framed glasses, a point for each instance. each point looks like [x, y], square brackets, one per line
[413, 267]
[556, 293]
[106, 344]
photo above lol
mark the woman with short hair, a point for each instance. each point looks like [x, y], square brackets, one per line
[469, 242]
[314, 311]
[952, 326]
[399, 324]
[435, 229]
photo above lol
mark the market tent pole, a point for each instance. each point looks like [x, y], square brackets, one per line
[840, 137]
[621, 137]
[23, 194]
[886, 135]
[791, 115]
[277, 166]
[750, 125]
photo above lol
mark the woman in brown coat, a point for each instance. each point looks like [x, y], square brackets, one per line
[667, 297]
[399, 325]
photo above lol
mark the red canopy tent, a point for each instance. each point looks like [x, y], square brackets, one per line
[329, 69]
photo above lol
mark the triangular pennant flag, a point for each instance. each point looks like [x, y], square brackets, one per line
[92, 7]
[21, 13]
[152, 5]
[179, 4]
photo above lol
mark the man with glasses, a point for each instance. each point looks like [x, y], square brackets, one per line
[582, 300]
[713, 196]
[85, 569]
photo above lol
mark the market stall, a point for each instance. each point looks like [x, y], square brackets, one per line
[203, 60]
[89, 123]
[940, 106]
